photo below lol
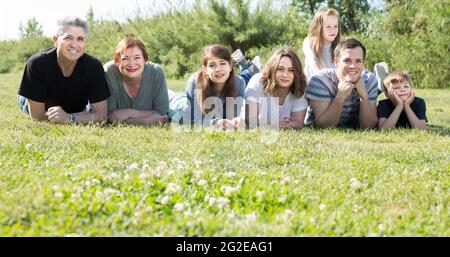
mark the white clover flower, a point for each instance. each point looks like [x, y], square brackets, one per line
[312, 198]
[260, 194]
[297, 182]
[380, 227]
[355, 184]
[198, 173]
[202, 183]
[111, 176]
[143, 176]
[95, 181]
[133, 166]
[162, 166]
[111, 191]
[165, 200]
[145, 166]
[138, 215]
[322, 207]
[58, 195]
[285, 180]
[222, 203]
[231, 215]
[286, 216]
[227, 190]
[231, 174]
[251, 217]
[188, 213]
[75, 196]
[178, 207]
[211, 200]
[28, 146]
[180, 164]
[282, 199]
[172, 188]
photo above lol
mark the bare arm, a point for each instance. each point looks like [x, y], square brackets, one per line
[122, 115]
[367, 114]
[150, 119]
[296, 121]
[391, 121]
[37, 110]
[413, 120]
[98, 113]
[412, 117]
[367, 110]
[327, 114]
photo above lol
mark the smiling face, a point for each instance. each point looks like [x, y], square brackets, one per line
[218, 70]
[131, 64]
[70, 45]
[330, 28]
[284, 75]
[350, 64]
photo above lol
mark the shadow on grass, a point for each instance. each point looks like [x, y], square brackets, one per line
[443, 131]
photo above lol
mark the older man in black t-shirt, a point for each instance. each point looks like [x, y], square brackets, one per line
[60, 82]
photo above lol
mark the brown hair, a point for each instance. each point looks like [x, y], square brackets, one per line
[126, 43]
[205, 84]
[350, 43]
[396, 77]
[316, 32]
[270, 69]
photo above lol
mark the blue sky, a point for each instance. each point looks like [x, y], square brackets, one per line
[47, 12]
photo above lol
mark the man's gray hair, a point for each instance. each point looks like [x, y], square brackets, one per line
[72, 21]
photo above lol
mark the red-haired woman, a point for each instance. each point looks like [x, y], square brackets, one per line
[138, 87]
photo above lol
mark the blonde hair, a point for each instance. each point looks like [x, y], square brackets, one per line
[270, 69]
[316, 32]
[396, 77]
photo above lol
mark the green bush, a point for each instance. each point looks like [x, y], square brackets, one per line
[413, 38]
[16, 53]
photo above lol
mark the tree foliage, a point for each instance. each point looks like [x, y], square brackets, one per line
[352, 12]
[408, 35]
[31, 29]
[412, 36]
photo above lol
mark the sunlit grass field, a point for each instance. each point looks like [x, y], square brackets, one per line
[63, 180]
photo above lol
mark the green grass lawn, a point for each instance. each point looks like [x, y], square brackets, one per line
[128, 180]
